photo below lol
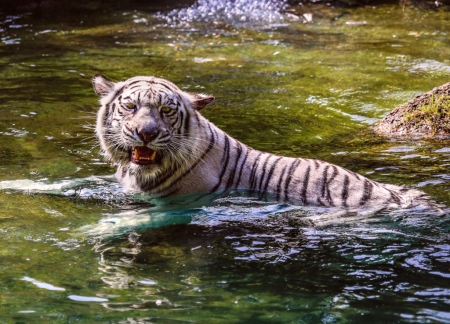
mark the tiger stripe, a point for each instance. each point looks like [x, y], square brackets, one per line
[292, 169]
[304, 190]
[242, 167]
[225, 158]
[233, 170]
[269, 176]
[264, 167]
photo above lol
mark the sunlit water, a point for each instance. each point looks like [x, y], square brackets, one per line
[237, 13]
[76, 247]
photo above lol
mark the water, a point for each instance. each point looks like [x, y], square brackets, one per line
[239, 12]
[74, 247]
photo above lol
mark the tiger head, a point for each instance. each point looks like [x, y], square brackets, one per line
[142, 122]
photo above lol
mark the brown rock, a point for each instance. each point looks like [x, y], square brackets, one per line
[413, 119]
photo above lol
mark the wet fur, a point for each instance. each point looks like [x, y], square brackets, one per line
[200, 157]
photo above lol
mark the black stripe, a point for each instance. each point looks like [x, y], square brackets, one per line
[345, 191]
[254, 167]
[182, 122]
[129, 84]
[356, 175]
[280, 180]
[169, 173]
[233, 171]
[164, 138]
[106, 116]
[129, 129]
[164, 85]
[263, 173]
[367, 193]
[269, 175]
[292, 168]
[129, 136]
[196, 114]
[133, 92]
[320, 202]
[317, 164]
[131, 88]
[212, 141]
[119, 92]
[326, 183]
[225, 158]
[394, 196]
[186, 122]
[244, 160]
[175, 122]
[304, 190]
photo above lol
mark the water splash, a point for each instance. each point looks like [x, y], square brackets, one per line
[225, 11]
[99, 187]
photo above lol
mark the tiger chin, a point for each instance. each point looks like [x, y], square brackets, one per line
[162, 145]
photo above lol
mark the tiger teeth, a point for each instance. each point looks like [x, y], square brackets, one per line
[137, 157]
[142, 158]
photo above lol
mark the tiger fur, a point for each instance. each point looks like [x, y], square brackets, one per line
[144, 115]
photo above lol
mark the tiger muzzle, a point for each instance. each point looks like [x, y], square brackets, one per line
[147, 137]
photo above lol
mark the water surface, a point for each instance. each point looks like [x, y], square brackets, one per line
[305, 81]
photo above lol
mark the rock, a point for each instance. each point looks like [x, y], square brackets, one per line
[426, 115]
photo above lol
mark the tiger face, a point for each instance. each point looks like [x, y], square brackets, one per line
[142, 121]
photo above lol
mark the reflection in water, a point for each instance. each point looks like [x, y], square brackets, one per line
[370, 263]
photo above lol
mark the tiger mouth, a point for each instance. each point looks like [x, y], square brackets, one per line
[143, 155]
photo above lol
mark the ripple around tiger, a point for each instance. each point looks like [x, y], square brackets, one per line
[189, 154]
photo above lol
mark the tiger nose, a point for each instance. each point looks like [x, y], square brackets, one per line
[147, 137]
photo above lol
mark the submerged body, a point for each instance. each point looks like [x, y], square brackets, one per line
[164, 146]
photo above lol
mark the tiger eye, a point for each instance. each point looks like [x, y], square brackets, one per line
[165, 110]
[131, 106]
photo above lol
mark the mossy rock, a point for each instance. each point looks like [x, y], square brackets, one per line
[426, 115]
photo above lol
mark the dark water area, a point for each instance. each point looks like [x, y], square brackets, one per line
[302, 80]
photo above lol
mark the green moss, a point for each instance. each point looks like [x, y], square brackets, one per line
[435, 114]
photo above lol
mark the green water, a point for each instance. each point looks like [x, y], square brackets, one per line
[74, 248]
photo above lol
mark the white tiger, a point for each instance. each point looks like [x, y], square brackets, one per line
[162, 145]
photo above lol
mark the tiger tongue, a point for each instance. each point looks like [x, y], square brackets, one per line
[143, 151]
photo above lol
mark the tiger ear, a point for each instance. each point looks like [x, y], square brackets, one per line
[200, 101]
[102, 85]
